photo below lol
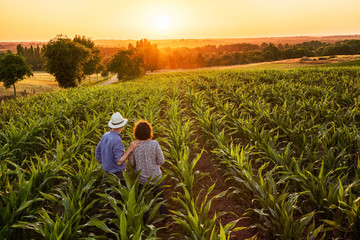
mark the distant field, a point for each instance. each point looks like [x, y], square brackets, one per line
[341, 60]
[41, 82]
[345, 64]
[284, 64]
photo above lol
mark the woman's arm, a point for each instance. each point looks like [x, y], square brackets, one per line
[131, 148]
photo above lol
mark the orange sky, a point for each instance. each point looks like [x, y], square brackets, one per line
[134, 19]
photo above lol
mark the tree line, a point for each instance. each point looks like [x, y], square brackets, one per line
[233, 54]
[206, 56]
[270, 52]
[32, 56]
[71, 60]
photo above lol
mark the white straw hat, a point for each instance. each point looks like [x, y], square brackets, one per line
[117, 121]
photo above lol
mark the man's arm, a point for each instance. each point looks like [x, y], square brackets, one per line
[98, 153]
[118, 151]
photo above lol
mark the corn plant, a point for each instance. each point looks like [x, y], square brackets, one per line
[68, 223]
[17, 202]
[348, 220]
[196, 219]
[74, 205]
[129, 210]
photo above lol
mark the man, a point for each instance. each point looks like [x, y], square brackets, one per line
[110, 151]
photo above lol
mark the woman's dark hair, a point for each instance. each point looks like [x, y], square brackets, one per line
[143, 130]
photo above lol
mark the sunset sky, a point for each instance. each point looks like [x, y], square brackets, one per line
[157, 19]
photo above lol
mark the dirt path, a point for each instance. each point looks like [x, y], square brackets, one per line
[112, 80]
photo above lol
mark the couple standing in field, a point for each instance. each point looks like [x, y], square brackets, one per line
[145, 154]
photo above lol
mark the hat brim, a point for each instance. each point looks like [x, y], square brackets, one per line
[117, 126]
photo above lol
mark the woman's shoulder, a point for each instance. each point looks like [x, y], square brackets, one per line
[149, 143]
[153, 142]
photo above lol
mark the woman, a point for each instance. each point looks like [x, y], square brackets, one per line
[147, 158]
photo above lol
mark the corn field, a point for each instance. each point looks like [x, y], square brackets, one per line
[286, 141]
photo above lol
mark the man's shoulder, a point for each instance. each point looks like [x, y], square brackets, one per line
[113, 136]
[106, 135]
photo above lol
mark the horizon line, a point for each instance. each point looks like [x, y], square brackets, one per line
[200, 38]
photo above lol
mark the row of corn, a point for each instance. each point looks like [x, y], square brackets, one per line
[192, 211]
[51, 183]
[288, 141]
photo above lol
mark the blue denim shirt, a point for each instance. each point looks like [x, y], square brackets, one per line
[109, 151]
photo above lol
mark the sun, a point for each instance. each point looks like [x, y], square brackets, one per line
[162, 22]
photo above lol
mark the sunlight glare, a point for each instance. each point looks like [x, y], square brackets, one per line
[162, 22]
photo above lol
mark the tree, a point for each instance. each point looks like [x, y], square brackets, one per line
[264, 45]
[92, 64]
[271, 53]
[126, 64]
[65, 59]
[149, 52]
[13, 68]
[32, 56]
[20, 50]
[199, 61]
[100, 68]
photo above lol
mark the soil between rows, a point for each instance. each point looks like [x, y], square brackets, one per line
[228, 203]
[224, 204]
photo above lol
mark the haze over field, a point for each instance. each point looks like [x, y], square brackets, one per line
[22, 20]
